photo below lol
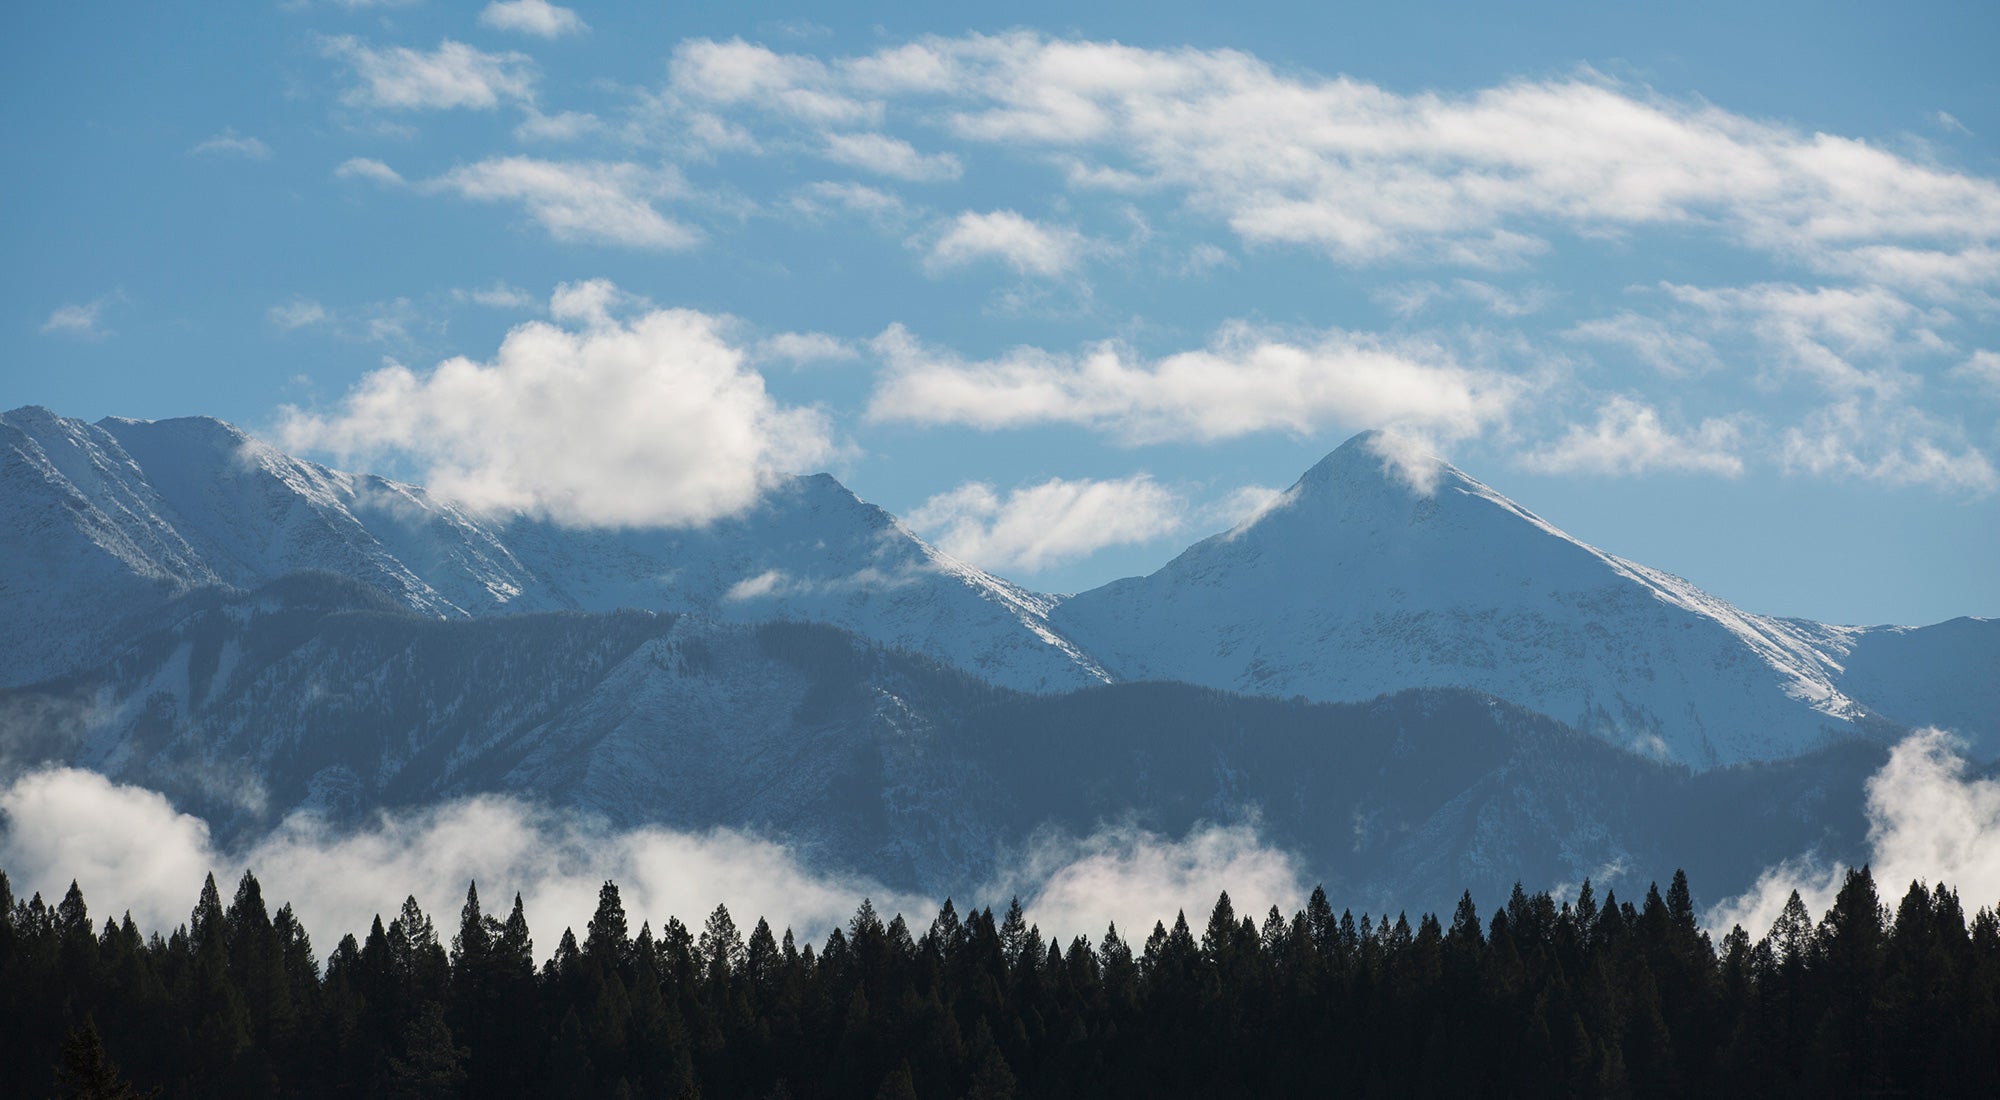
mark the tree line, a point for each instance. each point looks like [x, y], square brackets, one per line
[1541, 998]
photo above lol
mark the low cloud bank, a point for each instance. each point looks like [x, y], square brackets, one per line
[129, 848]
[1927, 821]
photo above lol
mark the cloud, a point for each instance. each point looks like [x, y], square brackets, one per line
[230, 143]
[1135, 877]
[296, 314]
[1891, 445]
[454, 75]
[561, 126]
[1021, 243]
[1045, 524]
[891, 157]
[1928, 821]
[803, 348]
[1670, 349]
[1246, 380]
[498, 296]
[853, 198]
[537, 17]
[367, 168]
[1367, 175]
[653, 421]
[129, 849]
[589, 202]
[1982, 367]
[738, 73]
[84, 320]
[1628, 439]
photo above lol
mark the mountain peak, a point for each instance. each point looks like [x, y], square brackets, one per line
[1376, 462]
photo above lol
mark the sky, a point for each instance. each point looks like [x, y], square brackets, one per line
[1712, 289]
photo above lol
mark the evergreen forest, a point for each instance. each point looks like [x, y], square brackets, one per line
[1540, 997]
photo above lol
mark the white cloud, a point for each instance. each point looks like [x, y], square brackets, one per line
[84, 320]
[453, 75]
[1134, 877]
[803, 348]
[1056, 521]
[1894, 445]
[498, 296]
[129, 849]
[591, 202]
[1246, 380]
[653, 421]
[1983, 367]
[1028, 246]
[1629, 439]
[1928, 821]
[231, 143]
[537, 17]
[1366, 174]
[853, 198]
[370, 169]
[890, 156]
[1845, 339]
[1670, 349]
[297, 313]
[561, 126]
[738, 73]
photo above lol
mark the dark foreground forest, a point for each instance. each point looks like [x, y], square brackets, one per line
[1542, 998]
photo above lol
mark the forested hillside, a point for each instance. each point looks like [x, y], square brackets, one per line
[1541, 997]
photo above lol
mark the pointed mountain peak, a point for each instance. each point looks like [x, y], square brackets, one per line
[1380, 462]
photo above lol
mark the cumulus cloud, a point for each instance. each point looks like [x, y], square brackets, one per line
[454, 75]
[586, 201]
[130, 849]
[607, 422]
[561, 126]
[536, 17]
[1928, 821]
[1055, 521]
[1028, 246]
[1628, 438]
[1133, 876]
[231, 143]
[891, 157]
[790, 85]
[1246, 380]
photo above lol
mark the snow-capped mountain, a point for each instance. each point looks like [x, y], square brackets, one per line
[1361, 582]
[318, 693]
[102, 521]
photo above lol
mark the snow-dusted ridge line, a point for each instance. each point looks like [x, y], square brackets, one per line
[1354, 585]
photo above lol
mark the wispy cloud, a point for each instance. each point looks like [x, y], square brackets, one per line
[1045, 524]
[83, 320]
[370, 169]
[536, 17]
[1028, 246]
[1628, 438]
[872, 152]
[231, 143]
[1246, 380]
[593, 202]
[454, 75]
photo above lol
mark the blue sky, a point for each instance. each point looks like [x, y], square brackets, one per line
[1712, 289]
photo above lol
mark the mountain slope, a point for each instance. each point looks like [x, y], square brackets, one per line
[1359, 583]
[112, 519]
[318, 693]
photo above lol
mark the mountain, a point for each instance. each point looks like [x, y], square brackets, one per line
[101, 522]
[1361, 582]
[319, 693]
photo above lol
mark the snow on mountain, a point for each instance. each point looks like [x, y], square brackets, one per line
[114, 518]
[1360, 583]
